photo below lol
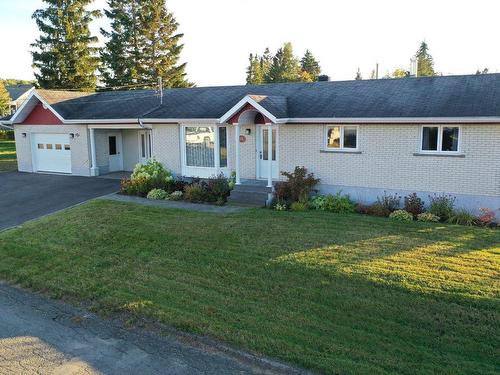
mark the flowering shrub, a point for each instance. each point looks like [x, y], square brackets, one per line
[390, 202]
[337, 203]
[428, 217]
[378, 209]
[280, 206]
[175, 196]
[195, 193]
[442, 206]
[157, 194]
[401, 215]
[487, 216]
[413, 204]
[152, 170]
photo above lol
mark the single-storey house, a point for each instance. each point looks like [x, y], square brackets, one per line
[426, 135]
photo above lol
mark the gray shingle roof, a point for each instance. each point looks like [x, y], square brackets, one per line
[15, 91]
[450, 96]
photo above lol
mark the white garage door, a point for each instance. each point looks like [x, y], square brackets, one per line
[52, 153]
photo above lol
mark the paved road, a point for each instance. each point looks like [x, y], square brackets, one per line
[26, 196]
[39, 336]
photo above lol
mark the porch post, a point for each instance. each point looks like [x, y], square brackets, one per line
[270, 155]
[94, 170]
[217, 151]
[237, 149]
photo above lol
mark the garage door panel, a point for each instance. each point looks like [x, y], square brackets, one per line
[52, 153]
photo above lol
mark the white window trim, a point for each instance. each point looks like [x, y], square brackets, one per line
[341, 148]
[440, 139]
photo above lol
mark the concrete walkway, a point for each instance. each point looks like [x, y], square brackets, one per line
[175, 204]
[40, 336]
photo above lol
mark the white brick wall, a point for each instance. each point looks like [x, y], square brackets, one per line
[387, 159]
[166, 146]
[80, 165]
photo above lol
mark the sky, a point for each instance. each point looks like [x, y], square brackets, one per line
[463, 35]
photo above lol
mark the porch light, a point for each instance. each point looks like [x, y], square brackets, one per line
[72, 135]
[24, 135]
[248, 131]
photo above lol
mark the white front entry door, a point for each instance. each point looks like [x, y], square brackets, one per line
[51, 153]
[115, 152]
[263, 153]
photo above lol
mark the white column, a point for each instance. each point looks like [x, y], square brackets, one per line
[237, 149]
[270, 155]
[94, 170]
[217, 150]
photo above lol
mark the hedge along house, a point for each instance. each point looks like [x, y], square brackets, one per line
[428, 135]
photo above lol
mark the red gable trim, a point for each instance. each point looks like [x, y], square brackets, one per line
[248, 107]
[41, 116]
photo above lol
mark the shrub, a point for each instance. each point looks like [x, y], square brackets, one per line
[377, 209]
[232, 180]
[442, 206]
[195, 193]
[337, 203]
[487, 217]
[362, 209]
[390, 202]
[175, 196]
[401, 215]
[280, 206]
[463, 217]
[139, 186]
[218, 189]
[147, 177]
[157, 194]
[297, 188]
[413, 204]
[428, 217]
[299, 206]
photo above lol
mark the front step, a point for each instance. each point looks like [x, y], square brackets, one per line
[256, 195]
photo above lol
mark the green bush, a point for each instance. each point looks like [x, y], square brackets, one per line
[157, 194]
[299, 206]
[175, 196]
[218, 189]
[147, 177]
[428, 217]
[414, 204]
[297, 188]
[196, 193]
[442, 206]
[463, 217]
[337, 203]
[401, 215]
[140, 186]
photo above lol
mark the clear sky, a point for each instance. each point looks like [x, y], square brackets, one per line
[463, 35]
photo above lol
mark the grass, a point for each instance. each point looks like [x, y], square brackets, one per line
[7, 155]
[337, 294]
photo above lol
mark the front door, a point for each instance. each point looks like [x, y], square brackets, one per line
[263, 153]
[115, 152]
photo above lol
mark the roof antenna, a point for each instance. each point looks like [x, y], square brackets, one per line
[160, 86]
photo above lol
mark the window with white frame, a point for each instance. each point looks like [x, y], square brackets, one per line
[440, 138]
[201, 146]
[341, 137]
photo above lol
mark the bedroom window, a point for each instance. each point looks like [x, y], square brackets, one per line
[341, 138]
[440, 139]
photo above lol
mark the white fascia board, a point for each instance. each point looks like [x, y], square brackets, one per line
[247, 100]
[393, 120]
[44, 103]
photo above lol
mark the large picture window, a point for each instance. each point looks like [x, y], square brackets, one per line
[202, 145]
[341, 138]
[440, 139]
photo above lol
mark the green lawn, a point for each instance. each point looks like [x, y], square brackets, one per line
[7, 155]
[338, 294]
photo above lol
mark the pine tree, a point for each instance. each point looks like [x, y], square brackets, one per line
[425, 61]
[65, 56]
[161, 46]
[285, 66]
[4, 100]
[310, 65]
[255, 73]
[358, 77]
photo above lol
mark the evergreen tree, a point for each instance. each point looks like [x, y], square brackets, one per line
[255, 72]
[65, 56]
[285, 67]
[4, 100]
[425, 61]
[358, 77]
[484, 71]
[310, 65]
[161, 45]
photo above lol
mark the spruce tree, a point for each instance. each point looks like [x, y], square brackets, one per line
[285, 66]
[425, 61]
[4, 100]
[310, 65]
[65, 56]
[255, 73]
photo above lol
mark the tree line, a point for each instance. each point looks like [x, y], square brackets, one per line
[142, 45]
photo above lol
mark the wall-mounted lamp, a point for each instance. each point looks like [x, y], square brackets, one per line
[24, 135]
[72, 135]
[248, 131]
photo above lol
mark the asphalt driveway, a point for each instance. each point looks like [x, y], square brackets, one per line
[26, 196]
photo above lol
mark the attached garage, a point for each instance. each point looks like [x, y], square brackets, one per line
[51, 152]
